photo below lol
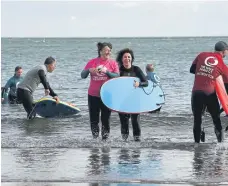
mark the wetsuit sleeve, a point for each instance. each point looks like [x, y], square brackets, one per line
[52, 93]
[143, 80]
[84, 74]
[46, 85]
[43, 78]
[193, 67]
[5, 90]
[112, 74]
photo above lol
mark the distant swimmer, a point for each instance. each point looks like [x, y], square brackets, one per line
[9, 91]
[207, 66]
[31, 81]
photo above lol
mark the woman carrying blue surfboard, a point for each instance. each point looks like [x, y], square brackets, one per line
[125, 58]
[101, 69]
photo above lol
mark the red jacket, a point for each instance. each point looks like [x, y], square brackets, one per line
[207, 67]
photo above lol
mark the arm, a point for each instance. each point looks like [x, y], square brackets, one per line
[193, 67]
[5, 89]
[43, 79]
[141, 76]
[52, 93]
[112, 74]
[46, 85]
[84, 74]
[115, 72]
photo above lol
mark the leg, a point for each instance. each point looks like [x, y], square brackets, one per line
[198, 104]
[124, 122]
[12, 99]
[25, 97]
[94, 112]
[105, 120]
[135, 125]
[214, 110]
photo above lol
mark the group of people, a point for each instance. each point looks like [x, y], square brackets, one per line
[207, 67]
[20, 89]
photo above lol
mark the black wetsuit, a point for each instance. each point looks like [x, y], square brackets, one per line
[203, 93]
[134, 71]
[26, 98]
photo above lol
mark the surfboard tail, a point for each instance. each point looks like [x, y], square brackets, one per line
[221, 93]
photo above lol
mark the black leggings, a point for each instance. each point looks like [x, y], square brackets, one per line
[124, 121]
[13, 99]
[26, 98]
[95, 106]
[200, 100]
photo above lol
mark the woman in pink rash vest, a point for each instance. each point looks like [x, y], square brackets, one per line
[101, 69]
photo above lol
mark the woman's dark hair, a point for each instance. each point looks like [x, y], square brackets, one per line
[100, 46]
[49, 61]
[17, 68]
[121, 53]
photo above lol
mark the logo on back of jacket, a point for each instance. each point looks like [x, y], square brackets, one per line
[207, 68]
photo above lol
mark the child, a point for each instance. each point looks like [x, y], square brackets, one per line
[151, 75]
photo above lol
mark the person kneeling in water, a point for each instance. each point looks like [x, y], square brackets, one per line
[31, 81]
[9, 91]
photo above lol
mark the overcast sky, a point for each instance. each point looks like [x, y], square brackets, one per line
[113, 18]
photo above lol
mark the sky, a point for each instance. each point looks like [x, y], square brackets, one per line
[113, 18]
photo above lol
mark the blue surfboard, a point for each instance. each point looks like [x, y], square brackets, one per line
[47, 107]
[119, 94]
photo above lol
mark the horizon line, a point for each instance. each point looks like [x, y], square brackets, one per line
[81, 37]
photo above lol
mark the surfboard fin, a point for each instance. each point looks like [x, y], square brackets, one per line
[158, 104]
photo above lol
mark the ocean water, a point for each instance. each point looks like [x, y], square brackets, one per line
[61, 151]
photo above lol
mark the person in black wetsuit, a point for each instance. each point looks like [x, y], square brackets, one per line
[125, 58]
[32, 79]
[207, 66]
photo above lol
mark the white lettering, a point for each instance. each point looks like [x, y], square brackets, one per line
[99, 78]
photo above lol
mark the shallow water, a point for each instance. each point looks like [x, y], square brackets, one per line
[61, 151]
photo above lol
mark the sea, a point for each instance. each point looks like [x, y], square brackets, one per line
[61, 151]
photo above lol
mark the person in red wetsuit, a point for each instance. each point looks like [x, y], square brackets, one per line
[207, 66]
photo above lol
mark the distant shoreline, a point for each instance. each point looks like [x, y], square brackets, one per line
[110, 37]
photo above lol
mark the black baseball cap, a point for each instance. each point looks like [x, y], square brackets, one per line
[221, 46]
